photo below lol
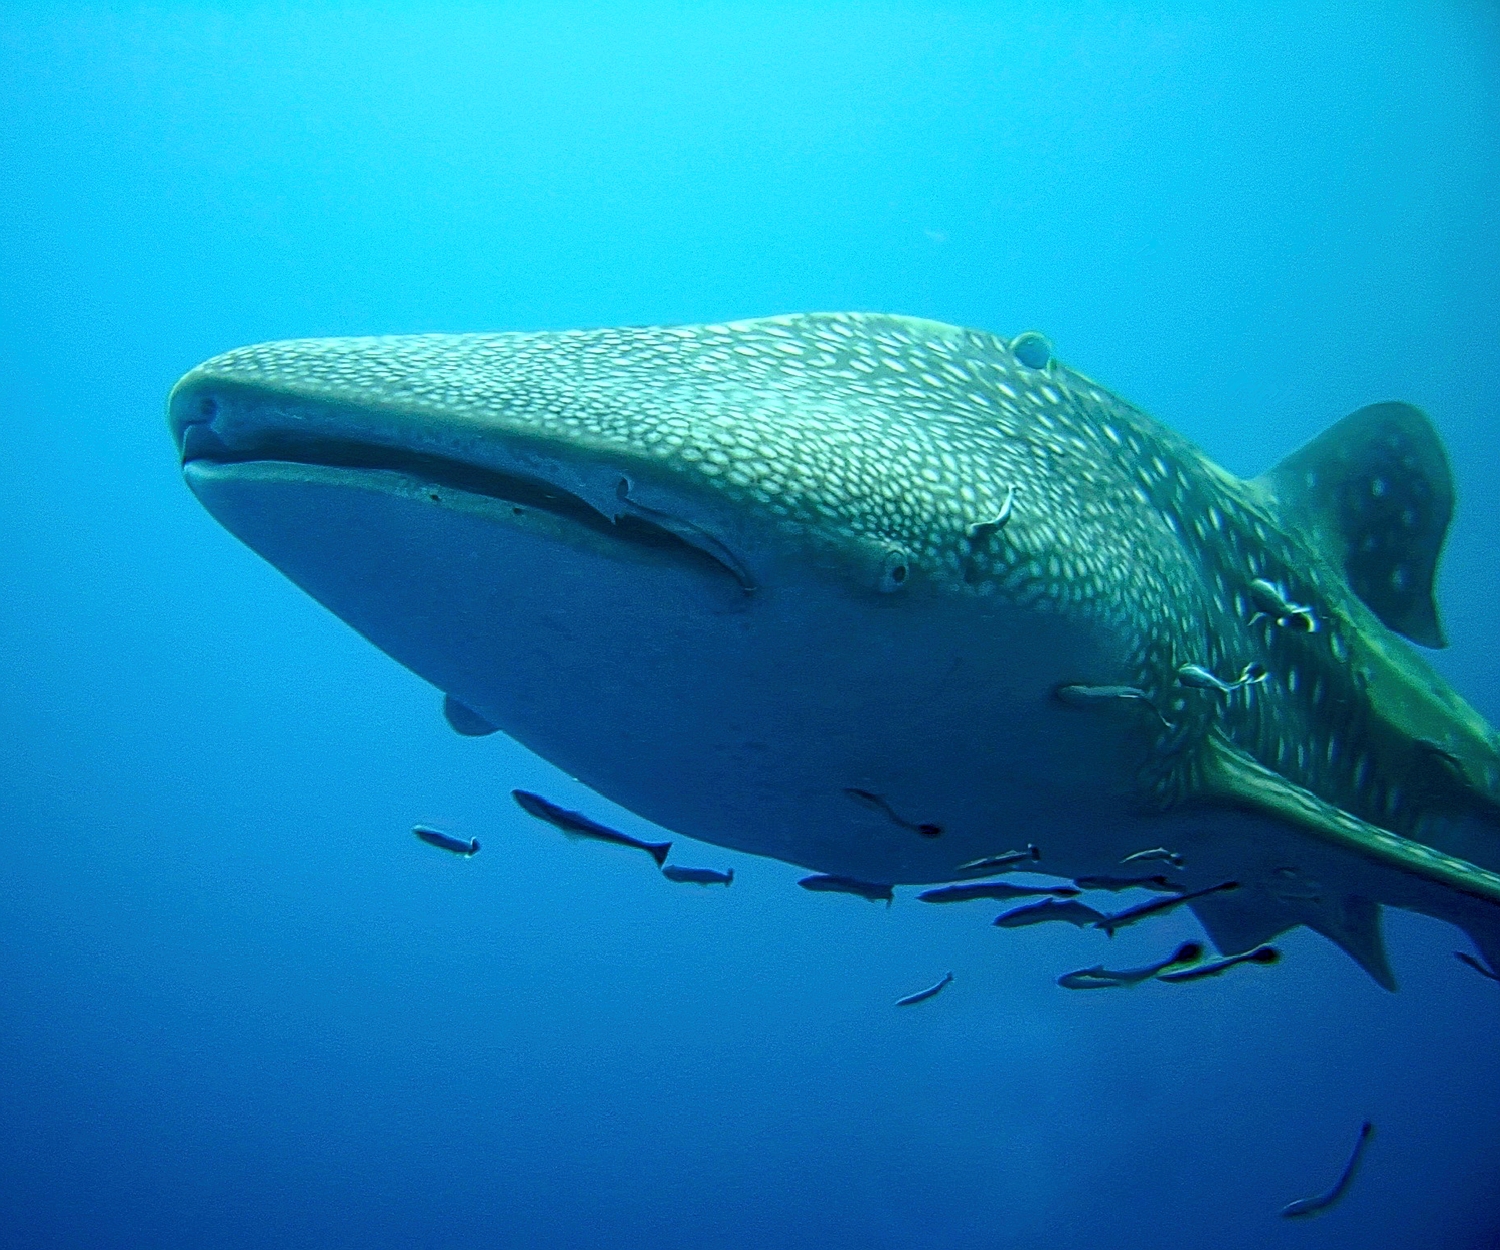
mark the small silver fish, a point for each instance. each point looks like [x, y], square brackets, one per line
[983, 529]
[577, 825]
[828, 883]
[1199, 678]
[1070, 911]
[997, 890]
[1116, 884]
[698, 876]
[1271, 602]
[869, 799]
[1155, 853]
[446, 842]
[1312, 1206]
[1091, 696]
[1101, 978]
[993, 863]
[1260, 955]
[1157, 906]
[921, 996]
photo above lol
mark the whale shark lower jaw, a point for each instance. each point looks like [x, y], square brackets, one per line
[731, 575]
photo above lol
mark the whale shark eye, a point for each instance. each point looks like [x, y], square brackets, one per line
[894, 570]
[1032, 349]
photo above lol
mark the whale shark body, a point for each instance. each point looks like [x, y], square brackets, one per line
[729, 575]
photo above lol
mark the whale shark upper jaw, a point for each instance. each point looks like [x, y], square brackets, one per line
[219, 423]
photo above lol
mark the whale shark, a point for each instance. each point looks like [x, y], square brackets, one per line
[736, 577]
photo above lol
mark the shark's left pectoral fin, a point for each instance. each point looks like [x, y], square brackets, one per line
[469, 723]
[1232, 778]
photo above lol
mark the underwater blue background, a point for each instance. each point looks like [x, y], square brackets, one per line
[241, 1006]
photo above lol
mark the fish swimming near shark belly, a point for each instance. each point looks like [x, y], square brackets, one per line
[729, 575]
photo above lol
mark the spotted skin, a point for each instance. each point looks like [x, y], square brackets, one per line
[873, 453]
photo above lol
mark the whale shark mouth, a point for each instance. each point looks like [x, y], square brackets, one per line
[634, 524]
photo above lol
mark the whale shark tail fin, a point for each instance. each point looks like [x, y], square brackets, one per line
[1376, 493]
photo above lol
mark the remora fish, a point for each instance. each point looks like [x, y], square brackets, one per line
[1008, 859]
[684, 565]
[827, 883]
[1199, 678]
[1260, 955]
[869, 799]
[1312, 1206]
[698, 876]
[1099, 977]
[445, 841]
[1116, 884]
[1071, 911]
[1157, 906]
[577, 825]
[921, 996]
[1000, 890]
[1155, 853]
[1096, 696]
[1271, 603]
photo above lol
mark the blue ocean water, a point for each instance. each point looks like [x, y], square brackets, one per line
[240, 1006]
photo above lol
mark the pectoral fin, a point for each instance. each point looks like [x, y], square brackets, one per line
[1234, 779]
[462, 720]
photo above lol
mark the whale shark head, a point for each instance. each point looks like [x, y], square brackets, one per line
[881, 596]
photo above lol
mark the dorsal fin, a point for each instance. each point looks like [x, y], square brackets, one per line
[1377, 494]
